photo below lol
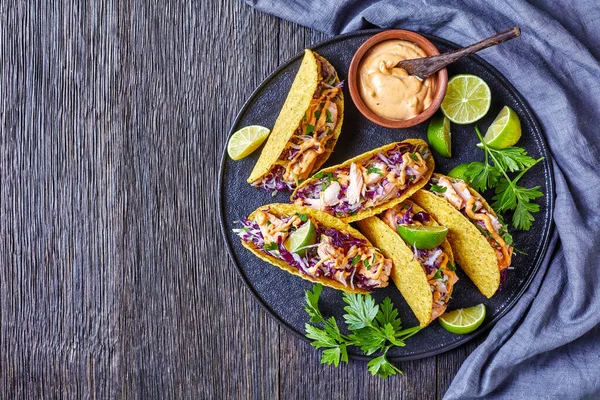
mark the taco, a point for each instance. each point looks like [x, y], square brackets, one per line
[306, 129]
[477, 236]
[424, 277]
[335, 255]
[369, 183]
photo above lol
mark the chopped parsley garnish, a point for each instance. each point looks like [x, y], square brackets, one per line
[310, 129]
[438, 274]
[270, 246]
[302, 217]
[328, 118]
[317, 114]
[452, 267]
[437, 189]
[330, 177]
[319, 175]
[374, 170]
[367, 265]
[268, 223]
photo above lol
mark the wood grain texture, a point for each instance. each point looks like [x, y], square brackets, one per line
[114, 280]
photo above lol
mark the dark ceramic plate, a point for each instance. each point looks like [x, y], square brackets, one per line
[282, 294]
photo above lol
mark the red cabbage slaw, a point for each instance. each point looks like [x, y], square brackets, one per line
[250, 233]
[374, 193]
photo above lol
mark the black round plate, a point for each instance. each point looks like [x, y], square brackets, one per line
[282, 294]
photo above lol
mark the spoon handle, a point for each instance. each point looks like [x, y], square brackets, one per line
[424, 67]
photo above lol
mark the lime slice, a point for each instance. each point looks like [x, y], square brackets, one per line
[423, 237]
[467, 99]
[464, 320]
[304, 236]
[505, 131]
[243, 142]
[458, 172]
[439, 134]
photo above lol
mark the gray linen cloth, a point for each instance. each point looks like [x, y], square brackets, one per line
[548, 345]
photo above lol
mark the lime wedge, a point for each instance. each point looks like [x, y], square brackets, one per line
[423, 237]
[505, 131]
[464, 320]
[467, 99]
[458, 172]
[439, 134]
[305, 235]
[243, 142]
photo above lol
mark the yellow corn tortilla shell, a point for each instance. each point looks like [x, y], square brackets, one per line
[472, 251]
[295, 106]
[392, 202]
[326, 220]
[407, 273]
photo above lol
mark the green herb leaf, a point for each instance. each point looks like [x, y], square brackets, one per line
[270, 246]
[413, 156]
[355, 260]
[512, 159]
[302, 217]
[369, 340]
[328, 118]
[452, 267]
[374, 170]
[331, 356]
[382, 367]
[319, 337]
[373, 329]
[309, 129]
[481, 176]
[312, 303]
[388, 314]
[508, 194]
[438, 274]
[437, 189]
[318, 175]
[317, 114]
[367, 264]
[361, 310]
[330, 177]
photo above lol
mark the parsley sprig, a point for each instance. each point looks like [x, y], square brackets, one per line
[509, 196]
[374, 328]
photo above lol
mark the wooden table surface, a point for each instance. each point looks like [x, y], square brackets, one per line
[114, 279]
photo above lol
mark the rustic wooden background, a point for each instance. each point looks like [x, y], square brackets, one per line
[114, 281]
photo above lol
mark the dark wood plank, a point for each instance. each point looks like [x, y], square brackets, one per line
[114, 281]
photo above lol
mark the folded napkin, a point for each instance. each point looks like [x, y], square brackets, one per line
[547, 346]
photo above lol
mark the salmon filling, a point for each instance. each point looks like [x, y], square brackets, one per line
[366, 184]
[311, 138]
[440, 274]
[336, 255]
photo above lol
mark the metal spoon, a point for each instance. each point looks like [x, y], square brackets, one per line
[423, 67]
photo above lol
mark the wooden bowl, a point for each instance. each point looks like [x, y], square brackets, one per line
[440, 78]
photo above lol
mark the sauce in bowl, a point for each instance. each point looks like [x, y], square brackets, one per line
[391, 92]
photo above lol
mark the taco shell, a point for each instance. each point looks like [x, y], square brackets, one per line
[327, 220]
[407, 273]
[390, 203]
[471, 249]
[296, 104]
